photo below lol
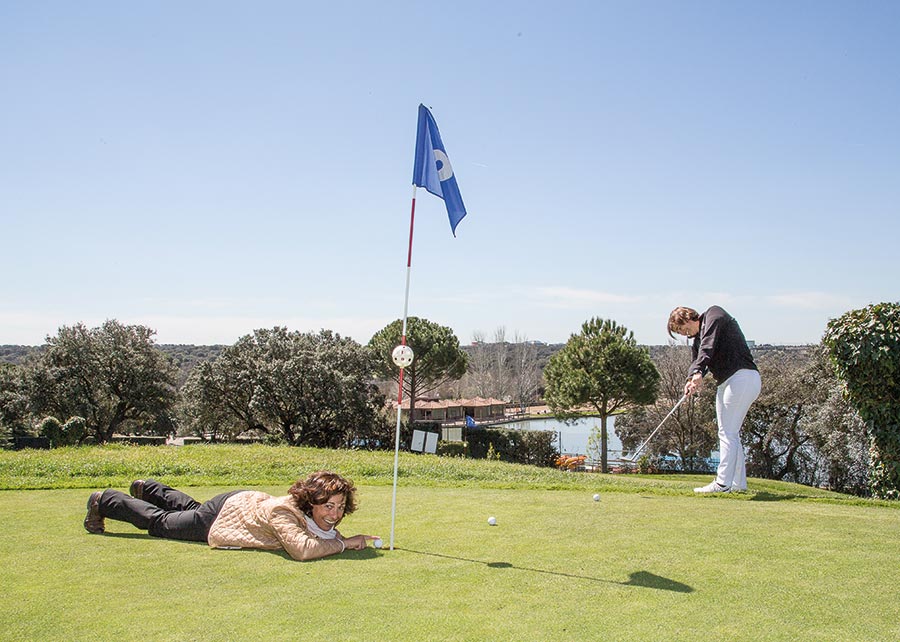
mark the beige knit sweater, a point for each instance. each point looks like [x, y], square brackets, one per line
[251, 519]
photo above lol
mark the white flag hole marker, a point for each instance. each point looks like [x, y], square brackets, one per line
[402, 356]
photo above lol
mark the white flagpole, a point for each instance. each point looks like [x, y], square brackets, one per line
[412, 218]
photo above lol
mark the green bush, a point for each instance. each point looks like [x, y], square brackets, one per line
[452, 448]
[645, 465]
[864, 346]
[50, 428]
[68, 434]
[516, 446]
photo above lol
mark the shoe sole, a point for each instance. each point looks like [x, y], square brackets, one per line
[89, 523]
[702, 491]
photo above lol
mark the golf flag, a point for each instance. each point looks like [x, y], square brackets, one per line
[432, 171]
[432, 168]
[470, 423]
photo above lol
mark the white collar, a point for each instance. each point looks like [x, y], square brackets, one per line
[331, 533]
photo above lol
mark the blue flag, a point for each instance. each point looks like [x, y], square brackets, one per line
[432, 169]
[470, 423]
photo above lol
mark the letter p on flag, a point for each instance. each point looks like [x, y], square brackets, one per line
[432, 169]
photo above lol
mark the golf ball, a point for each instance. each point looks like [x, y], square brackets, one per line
[597, 497]
[377, 543]
[492, 521]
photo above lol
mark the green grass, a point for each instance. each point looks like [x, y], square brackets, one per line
[649, 561]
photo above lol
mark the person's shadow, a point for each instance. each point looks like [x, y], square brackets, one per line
[148, 537]
[763, 496]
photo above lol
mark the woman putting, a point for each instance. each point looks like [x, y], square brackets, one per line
[719, 347]
[303, 523]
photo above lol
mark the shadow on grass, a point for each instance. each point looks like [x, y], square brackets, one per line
[649, 580]
[137, 536]
[643, 579]
[763, 496]
[151, 538]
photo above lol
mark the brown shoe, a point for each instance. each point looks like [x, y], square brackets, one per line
[137, 489]
[93, 523]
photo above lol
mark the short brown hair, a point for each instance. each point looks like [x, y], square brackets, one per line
[679, 316]
[319, 486]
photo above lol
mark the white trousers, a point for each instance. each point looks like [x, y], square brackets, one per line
[733, 399]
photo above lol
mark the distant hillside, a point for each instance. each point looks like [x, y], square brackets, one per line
[17, 354]
[801, 351]
[185, 357]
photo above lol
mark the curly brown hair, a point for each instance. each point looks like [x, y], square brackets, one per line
[679, 316]
[319, 486]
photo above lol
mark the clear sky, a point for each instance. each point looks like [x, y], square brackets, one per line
[208, 168]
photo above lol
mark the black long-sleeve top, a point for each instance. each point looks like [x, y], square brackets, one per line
[720, 346]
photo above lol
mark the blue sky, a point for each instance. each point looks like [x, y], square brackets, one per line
[209, 168]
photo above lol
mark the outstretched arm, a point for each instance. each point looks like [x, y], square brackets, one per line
[358, 542]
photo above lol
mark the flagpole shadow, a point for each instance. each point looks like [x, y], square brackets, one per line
[643, 579]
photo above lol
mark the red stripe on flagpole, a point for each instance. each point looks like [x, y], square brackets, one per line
[412, 223]
[412, 220]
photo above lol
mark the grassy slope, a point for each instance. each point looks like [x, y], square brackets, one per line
[253, 465]
[649, 561]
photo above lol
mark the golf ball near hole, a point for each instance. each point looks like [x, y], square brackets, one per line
[377, 543]
[492, 521]
[597, 497]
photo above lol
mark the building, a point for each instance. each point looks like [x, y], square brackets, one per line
[455, 410]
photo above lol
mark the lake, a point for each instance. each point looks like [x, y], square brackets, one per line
[573, 436]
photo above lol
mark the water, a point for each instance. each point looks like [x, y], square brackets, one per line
[574, 436]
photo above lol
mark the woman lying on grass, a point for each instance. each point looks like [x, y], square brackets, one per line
[303, 523]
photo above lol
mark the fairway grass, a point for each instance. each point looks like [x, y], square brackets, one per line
[649, 561]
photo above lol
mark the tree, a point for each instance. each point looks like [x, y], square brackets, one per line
[864, 347]
[690, 431]
[13, 403]
[839, 435]
[315, 387]
[438, 357]
[501, 369]
[216, 398]
[306, 388]
[777, 431]
[478, 370]
[603, 368]
[526, 376]
[501, 365]
[112, 376]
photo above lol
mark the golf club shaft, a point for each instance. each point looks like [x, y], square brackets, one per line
[647, 440]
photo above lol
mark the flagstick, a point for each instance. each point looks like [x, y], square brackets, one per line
[412, 218]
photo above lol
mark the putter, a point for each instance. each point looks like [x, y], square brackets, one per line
[647, 440]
